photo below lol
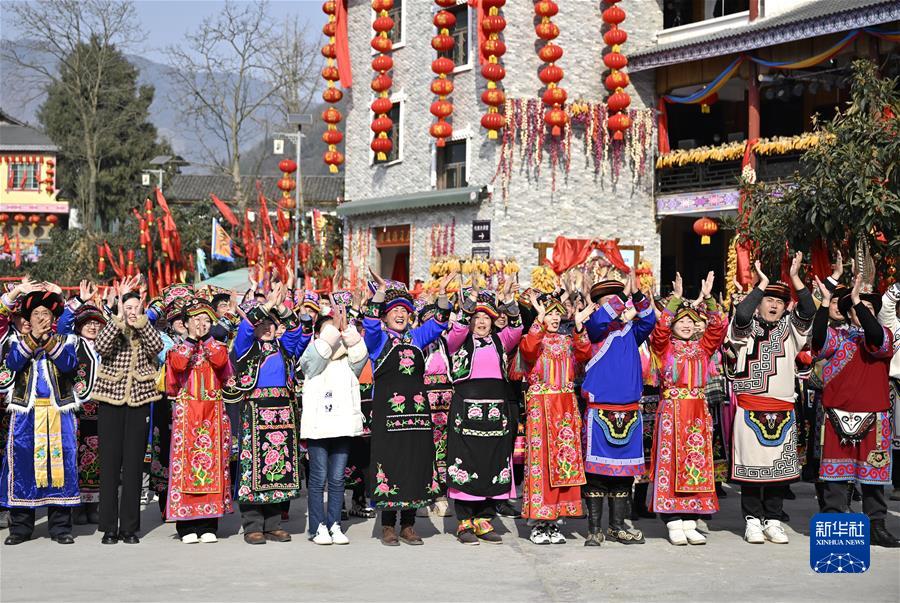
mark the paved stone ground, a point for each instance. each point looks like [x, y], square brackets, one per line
[163, 569]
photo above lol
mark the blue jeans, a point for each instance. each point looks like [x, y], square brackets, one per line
[327, 461]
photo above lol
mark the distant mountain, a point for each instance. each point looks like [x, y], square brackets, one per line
[21, 100]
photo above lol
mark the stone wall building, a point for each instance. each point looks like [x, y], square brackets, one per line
[412, 190]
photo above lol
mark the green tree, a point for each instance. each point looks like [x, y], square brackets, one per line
[102, 147]
[847, 191]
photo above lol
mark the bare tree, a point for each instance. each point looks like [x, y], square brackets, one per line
[65, 27]
[297, 63]
[230, 76]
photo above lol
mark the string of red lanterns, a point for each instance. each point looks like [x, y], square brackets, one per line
[287, 183]
[617, 80]
[554, 96]
[442, 67]
[332, 94]
[382, 124]
[492, 25]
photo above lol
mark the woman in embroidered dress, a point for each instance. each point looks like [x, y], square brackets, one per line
[402, 452]
[199, 489]
[481, 428]
[683, 475]
[554, 466]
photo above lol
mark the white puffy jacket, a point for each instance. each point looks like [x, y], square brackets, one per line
[331, 366]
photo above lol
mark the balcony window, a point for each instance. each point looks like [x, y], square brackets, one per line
[23, 176]
[461, 52]
[683, 12]
[394, 135]
[451, 165]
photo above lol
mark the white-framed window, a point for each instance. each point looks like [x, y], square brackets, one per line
[463, 52]
[23, 176]
[398, 33]
[451, 164]
[397, 134]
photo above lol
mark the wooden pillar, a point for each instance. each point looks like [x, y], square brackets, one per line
[753, 108]
[754, 10]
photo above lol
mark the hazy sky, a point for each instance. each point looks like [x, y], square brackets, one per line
[166, 21]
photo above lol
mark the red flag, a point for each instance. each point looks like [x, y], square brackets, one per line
[112, 261]
[18, 251]
[161, 201]
[7, 247]
[225, 210]
[284, 223]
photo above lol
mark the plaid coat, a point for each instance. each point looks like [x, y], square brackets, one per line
[129, 370]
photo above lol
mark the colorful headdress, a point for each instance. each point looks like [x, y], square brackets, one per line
[554, 304]
[687, 311]
[604, 288]
[779, 290]
[41, 299]
[846, 302]
[311, 301]
[199, 307]
[175, 292]
[86, 314]
[398, 297]
[488, 307]
[175, 310]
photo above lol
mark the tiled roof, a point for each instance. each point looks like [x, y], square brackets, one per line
[16, 138]
[317, 190]
[812, 19]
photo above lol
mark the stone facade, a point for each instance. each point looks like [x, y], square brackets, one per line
[584, 205]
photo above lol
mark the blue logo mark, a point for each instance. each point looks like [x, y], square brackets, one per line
[839, 543]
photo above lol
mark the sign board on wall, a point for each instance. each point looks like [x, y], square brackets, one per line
[481, 231]
[481, 252]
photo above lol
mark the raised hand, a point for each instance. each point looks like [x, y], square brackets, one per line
[857, 289]
[837, 269]
[382, 286]
[678, 286]
[763, 279]
[706, 285]
[823, 291]
[539, 306]
[443, 284]
[584, 314]
[87, 290]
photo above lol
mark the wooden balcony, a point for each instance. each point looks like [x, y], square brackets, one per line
[722, 174]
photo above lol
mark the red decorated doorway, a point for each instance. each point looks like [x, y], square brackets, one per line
[392, 243]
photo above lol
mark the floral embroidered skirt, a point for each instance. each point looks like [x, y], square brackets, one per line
[439, 392]
[554, 468]
[88, 454]
[480, 439]
[269, 459]
[867, 462]
[682, 470]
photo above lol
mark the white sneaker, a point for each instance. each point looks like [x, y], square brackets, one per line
[208, 538]
[338, 536]
[691, 534]
[539, 535]
[190, 539]
[676, 532]
[556, 537]
[774, 532]
[753, 533]
[322, 536]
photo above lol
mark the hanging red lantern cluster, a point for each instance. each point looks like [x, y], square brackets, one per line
[554, 96]
[382, 63]
[492, 25]
[443, 42]
[287, 183]
[617, 80]
[332, 94]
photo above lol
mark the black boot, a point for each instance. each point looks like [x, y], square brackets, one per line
[618, 531]
[880, 535]
[594, 506]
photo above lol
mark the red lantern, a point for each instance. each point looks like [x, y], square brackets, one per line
[331, 115]
[442, 65]
[493, 24]
[329, 29]
[382, 63]
[554, 96]
[550, 53]
[334, 159]
[52, 219]
[442, 86]
[618, 101]
[34, 218]
[332, 137]
[441, 109]
[331, 73]
[551, 74]
[382, 5]
[494, 47]
[382, 146]
[329, 7]
[489, 4]
[382, 123]
[383, 24]
[287, 202]
[4, 218]
[616, 80]
[615, 60]
[547, 31]
[381, 105]
[329, 52]
[382, 83]
[705, 228]
[444, 19]
[546, 8]
[493, 122]
[19, 218]
[493, 71]
[615, 37]
[493, 97]
[613, 15]
[556, 118]
[442, 43]
[332, 95]
[382, 44]
[618, 123]
[441, 130]
[286, 184]
[288, 166]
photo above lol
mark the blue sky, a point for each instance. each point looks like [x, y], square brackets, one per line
[166, 21]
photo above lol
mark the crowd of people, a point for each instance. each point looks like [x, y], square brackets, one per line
[571, 401]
